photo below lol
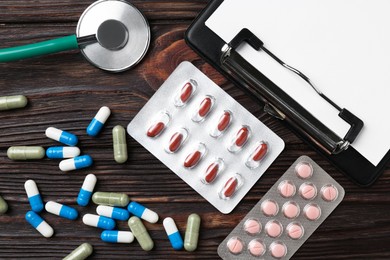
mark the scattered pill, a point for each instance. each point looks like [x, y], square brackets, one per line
[235, 245]
[25, 152]
[290, 210]
[119, 143]
[329, 193]
[230, 187]
[312, 211]
[140, 233]
[192, 232]
[39, 224]
[112, 212]
[98, 121]
[204, 109]
[158, 126]
[273, 228]
[61, 136]
[256, 247]
[61, 152]
[193, 158]
[304, 170]
[308, 191]
[76, 163]
[287, 189]
[34, 197]
[12, 102]
[223, 124]
[173, 234]
[212, 171]
[86, 190]
[177, 140]
[185, 93]
[257, 155]
[269, 208]
[3, 206]
[240, 139]
[80, 253]
[61, 210]
[110, 199]
[295, 230]
[278, 249]
[115, 236]
[252, 226]
[142, 212]
[98, 221]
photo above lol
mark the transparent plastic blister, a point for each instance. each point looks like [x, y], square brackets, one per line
[208, 139]
[285, 217]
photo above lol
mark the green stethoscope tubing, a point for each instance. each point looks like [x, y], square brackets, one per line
[38, 49]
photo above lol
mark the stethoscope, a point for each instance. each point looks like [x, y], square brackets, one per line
[113, 35]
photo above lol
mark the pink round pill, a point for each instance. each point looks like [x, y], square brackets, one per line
[278, 249]
[304, 170]
[290, 210]
[269, 208]
[329, 193]
[235, 245]
[273, 228]
[252, 226]
[308, 191]
[312, 211]
[294, 230]
[256, 247]
[287, 189]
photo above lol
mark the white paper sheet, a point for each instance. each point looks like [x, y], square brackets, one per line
[343, 46]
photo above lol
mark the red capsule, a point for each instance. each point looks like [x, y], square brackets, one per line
[192, 159]
[260, 152]
[205, 106]
[211, 172]
[242, 136]
[230, 187]
[175, 142]
[224, 121]
[186, 92]
[155, 129]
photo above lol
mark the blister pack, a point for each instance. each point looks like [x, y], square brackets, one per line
[205, 137]
[286, 216]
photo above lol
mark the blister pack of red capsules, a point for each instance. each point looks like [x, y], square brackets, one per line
[205, 137]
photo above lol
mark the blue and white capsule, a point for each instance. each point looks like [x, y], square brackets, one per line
[142, 212]
[61, 152]
[61, 210]
[34, 197]
[39, 224]
[98, 221]
[86, 190]
[173, 234]
[76, 163]
[115, 236]
[61, 136]
[98, 121]
[113, 212]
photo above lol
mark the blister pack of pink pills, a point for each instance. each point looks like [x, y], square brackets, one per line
[286, 216]
[205, 137]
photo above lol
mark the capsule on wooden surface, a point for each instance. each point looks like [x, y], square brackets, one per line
[192, 232]
[80, 253]
[119, 144]
[3, 206]
[110, 199]
[140, 233]
[12, 102]
[25, 152]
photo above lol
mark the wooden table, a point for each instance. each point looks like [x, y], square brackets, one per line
[65, 91]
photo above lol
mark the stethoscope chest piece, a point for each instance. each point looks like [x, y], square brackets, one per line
[122, 33]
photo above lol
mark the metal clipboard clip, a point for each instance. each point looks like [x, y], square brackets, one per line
[278, 103]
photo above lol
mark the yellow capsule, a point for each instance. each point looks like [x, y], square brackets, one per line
[12, 102]
[119, 142]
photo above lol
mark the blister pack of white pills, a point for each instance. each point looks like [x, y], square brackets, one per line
[286, 216]
[204, 136]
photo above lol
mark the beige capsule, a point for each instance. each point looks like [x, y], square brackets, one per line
[25, 152]
[12, 102]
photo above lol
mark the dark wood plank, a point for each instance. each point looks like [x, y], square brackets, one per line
[65, 91]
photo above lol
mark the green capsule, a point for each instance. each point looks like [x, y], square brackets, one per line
[140, 233]
[3, 206]
[119, 142]
[192, 232]
[110, 199]
[25, 152]
[80, 253]
[12, 102]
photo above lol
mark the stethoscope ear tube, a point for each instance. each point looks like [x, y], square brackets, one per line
[40, 48]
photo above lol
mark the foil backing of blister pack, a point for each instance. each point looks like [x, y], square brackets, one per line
[242, 250]
[163, 105]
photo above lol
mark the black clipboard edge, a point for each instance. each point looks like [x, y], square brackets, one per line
[350, 162]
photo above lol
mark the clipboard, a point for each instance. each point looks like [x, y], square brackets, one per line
[226, 59]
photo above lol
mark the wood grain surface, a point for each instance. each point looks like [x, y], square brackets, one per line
[65, 91]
